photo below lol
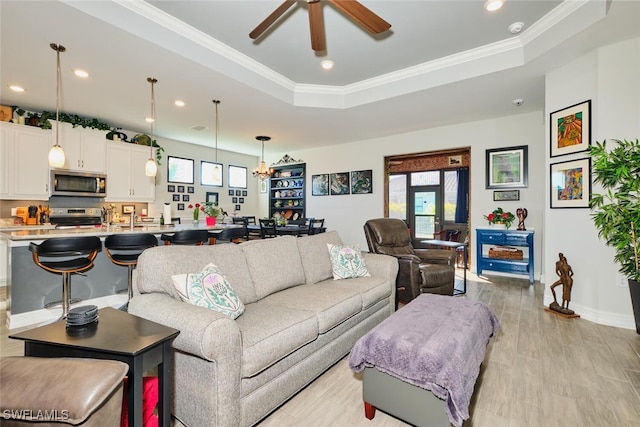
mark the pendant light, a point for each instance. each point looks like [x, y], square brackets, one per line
[262, 172]
[150, 168]
[56, 154]
[216, 102]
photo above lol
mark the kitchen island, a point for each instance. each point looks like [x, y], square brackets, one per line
[30, 288]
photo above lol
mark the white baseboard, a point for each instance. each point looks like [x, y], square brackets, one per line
[625, 321]
[48, 315]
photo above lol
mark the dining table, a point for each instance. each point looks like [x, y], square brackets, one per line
[435, 243]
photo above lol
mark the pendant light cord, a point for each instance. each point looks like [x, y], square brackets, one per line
[216, 103]
[153, 81]
[58, 48]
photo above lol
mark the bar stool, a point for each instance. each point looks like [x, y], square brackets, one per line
[124, 250]
[86, 247]
[186, 237]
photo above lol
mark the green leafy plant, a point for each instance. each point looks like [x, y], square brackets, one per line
[211, 209]
[498, 216]
[616, 212]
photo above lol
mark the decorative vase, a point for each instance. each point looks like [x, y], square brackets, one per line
[196, 221]
[211, 221]
[499, 225]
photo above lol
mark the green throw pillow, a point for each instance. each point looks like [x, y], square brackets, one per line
[210, 289]
[347, 262]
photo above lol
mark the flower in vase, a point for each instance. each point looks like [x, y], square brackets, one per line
[498, 216]
[196, 211]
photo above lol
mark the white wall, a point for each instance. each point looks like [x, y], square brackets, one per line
[347, 214]
[610, 78]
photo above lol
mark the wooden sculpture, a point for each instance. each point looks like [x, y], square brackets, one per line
[564, 270]
[522, 215]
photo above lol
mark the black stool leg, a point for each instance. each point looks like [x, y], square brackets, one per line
[130, 267]
[66, 294]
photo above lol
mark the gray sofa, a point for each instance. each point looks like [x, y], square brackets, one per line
[297, 323]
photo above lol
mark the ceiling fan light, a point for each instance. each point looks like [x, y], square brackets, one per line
[150, 168]
[56, 156]
[493, 5]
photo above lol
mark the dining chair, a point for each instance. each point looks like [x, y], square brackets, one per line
[244, 222]
[268, 228]
[252, 233]
[316, 226]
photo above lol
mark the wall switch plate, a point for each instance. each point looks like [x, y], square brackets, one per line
[14, 211]
[622, 281]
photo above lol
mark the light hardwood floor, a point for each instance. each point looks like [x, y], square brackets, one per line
[540, 370]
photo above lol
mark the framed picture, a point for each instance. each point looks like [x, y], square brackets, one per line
[179, 170]
[211, 197]
[571, 184]
[231, 192]
[507, 167]
[180, 188]
[455, 160]
[234, 200]
[238, 193]
[176, 197]
[128, 209]
[241, 200]
[191, 189]
[237, 176]
[185, 197]
[571, 129]
[339, 183]
[237, 208]
[361, 182]
[171, 188]
[263, 185]
[211, 173]
[320, 185]
[506, 195]
[180, 206]
[244, 193]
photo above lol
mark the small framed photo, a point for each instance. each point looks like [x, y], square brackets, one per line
[244, 193]
[191, 189]
[180, 206]
[263, 186]
[180, 188]
[171, 188]
[570, 184]
[571, 129]
[231, 192]
[238, 193]
[234, 200]
[506, 195]
[211, 197]
[241, 200]
[176, 197]
[455, 160]
[507, 167]
[128, 209]
[320, 185]
[339, 183]
[185, 197]
[237, 208]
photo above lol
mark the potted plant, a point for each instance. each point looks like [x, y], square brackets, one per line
[616, 212]
[212, 211]
[499, 218]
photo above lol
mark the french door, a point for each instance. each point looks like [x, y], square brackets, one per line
[425, 210]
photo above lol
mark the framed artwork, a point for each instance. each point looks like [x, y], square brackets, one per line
[234, 200]
[211, 173]
[171, 188]
[320, 185]
[180, 206]
[185, 197]
[176, 197]
[180, 188]
[571, 129]
[339, 183]
[128, 209]
[507, 167]
[231, 192]
[571, 184]
[237, 176]
[238, 193]
[361, 182]
[211, 197]
[506, 195]
[237, 208]
[263, 185]
[455, 160]
[191, 189]
[244, 193]
[241, 200]
[179, 170]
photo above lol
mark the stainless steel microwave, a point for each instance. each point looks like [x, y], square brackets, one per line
[70, 183]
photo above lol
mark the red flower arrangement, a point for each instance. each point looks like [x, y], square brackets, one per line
[498, 216]
[196, 211]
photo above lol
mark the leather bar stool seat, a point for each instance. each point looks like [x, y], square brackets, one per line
[79, 253]
[186, 237]
[124, 250]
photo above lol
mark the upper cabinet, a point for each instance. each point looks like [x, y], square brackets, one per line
[84, 149]
[126, 179]
[24, 162]
[287, 191]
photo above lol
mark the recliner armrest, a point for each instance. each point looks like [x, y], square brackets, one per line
[437, 256]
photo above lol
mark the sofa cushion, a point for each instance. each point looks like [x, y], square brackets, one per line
[210, 289]
[347, 262]
[315, 257]
[274, 264]
[333, 303]
[269, 333]
[372, 289]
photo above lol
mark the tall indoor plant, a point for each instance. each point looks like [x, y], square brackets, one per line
[616, 212]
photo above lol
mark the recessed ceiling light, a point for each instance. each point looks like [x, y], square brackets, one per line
[81, 73]
[327, 64]
[149, 119]
[492, 5]
[16, 88]
[179, 103]
[199, 127]
[516, 27]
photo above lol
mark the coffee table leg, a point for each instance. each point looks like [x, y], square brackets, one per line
[164, 380]
[369, 410]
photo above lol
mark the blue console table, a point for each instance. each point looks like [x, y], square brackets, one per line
[495, 238]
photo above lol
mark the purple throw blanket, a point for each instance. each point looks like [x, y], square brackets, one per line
[435, 342]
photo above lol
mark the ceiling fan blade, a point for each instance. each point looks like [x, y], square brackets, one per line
[363, 16]
[271, 19]
[316, 26]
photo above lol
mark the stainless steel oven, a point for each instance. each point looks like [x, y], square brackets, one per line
[69, 183]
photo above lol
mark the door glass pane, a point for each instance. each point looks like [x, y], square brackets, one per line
[450, 195]
[424, 214]
[425, 178]
[398, 196]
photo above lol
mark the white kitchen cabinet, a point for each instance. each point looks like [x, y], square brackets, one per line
[25, 162]
[84, 149]
[126, 179]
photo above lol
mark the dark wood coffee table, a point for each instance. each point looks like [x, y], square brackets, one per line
[118, 335]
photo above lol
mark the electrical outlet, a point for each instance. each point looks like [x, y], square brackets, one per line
[622, 281]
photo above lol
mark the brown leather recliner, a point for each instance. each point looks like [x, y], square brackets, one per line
[44, 391]
[420, 270]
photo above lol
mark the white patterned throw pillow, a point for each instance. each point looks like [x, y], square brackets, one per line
[347, 261]
[210, 289]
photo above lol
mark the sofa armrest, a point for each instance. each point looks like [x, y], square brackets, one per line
[381, 265]
[203, 332]
[437, 256]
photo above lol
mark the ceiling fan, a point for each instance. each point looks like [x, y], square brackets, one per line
[353, 9]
